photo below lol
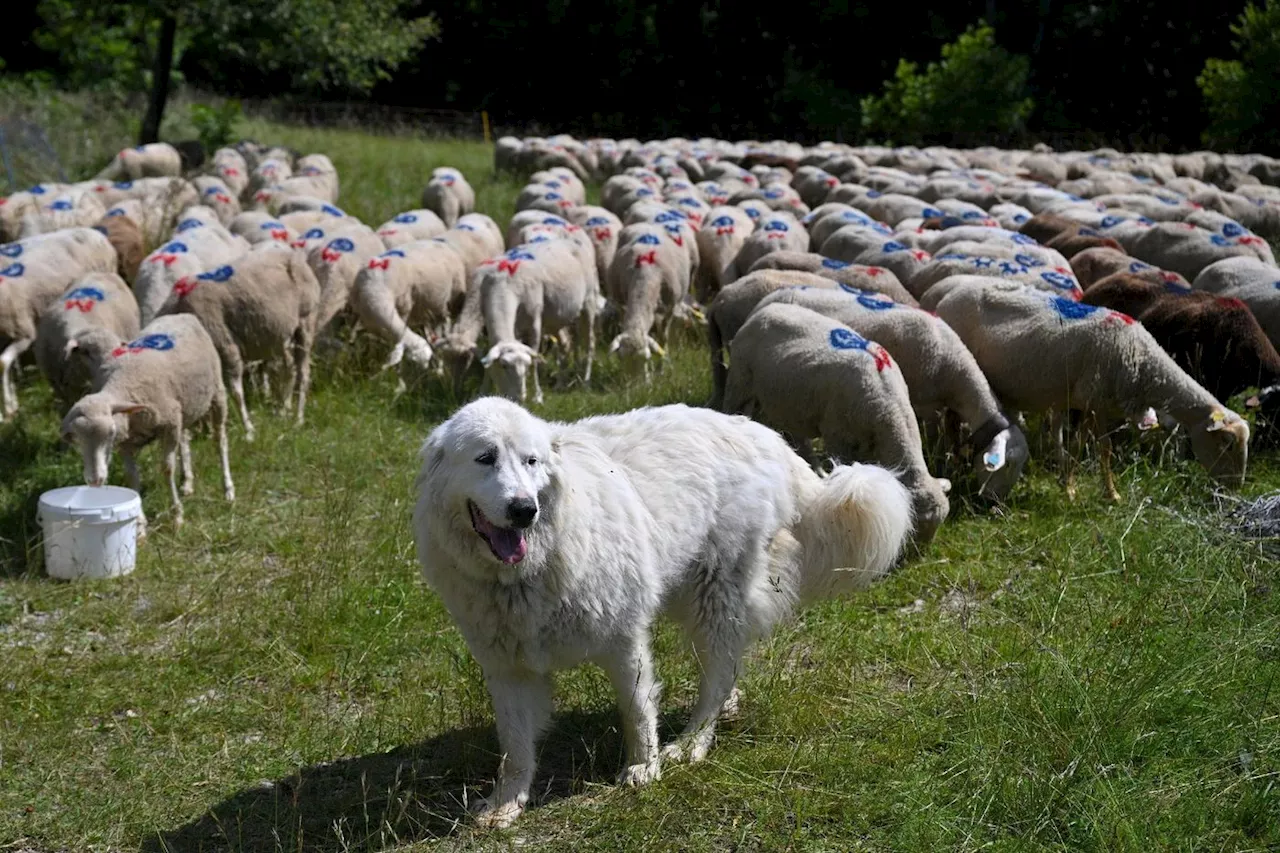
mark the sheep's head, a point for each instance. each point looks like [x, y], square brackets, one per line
[1221, 445]
[635, 350]
[94, 424]
[1000, 460]
[929, 499]
[508, 364]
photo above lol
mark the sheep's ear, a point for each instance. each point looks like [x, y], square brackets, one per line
[128, 408]
[1149, 420]
[1217, 420]
[615, 343]
[72, 345]
[994, 457]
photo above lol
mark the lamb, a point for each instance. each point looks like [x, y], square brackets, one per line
[808, 376]
[336, 262]
[158, 385]
[409, 226]
[416, 284]
[265, 307]
[33, 273]
[530, 291]
[190, 252]
[649, 277]
[861, 277]
[1044, 352]
[939, 370]
[731, 307]
[449, 195]
[76, 334]
[1216, 340]
[158, 159]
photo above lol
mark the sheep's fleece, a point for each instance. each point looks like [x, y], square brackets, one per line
[554, 543]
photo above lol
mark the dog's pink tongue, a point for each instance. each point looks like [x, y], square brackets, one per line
[508, 544]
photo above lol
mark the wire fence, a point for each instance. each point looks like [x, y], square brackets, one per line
[377, 118]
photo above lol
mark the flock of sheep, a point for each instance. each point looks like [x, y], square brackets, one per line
[862, 294]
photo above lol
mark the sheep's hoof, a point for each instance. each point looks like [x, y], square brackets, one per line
[188, 489]
[230, 494]
[1113, 496]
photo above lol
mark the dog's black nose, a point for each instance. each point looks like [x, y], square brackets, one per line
[521, 511]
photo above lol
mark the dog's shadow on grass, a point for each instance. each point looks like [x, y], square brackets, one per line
[412, 793]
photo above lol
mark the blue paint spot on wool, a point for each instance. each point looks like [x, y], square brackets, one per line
[1233, 229]
[1070, 309]
[174, 248]
[893, 246]
[12, 271]
[86, 293]
[61, 204]
[406, 218]
[1028, 260]
[648, 240]
[833, 264]
[221, 274]
[187, 225]
[597, 221]
[313, 234]
[341, 244]
[1058, 280]
[11, 250]
[848, 339]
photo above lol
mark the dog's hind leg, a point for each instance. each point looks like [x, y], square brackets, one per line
[631, 671]
[522, 707]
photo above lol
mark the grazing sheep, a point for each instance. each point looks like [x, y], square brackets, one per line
[257, 227]
[415, 285]
[778, 232]
[720, 238]
[33, 274]
[269, 172]
[1230, 273]
[158, 159]
[861, 277]
[939, 370]
[530, 291]
[476, 238]
[1044, 352]
[230, 166]
[77, 333]
[67, 210]
[649, 277]
[123, 235]
[448, 195]
[602, 229]
[158, 385]
[1215, 339]
[1093, 265]
[409, 226]
[262, 308]
[733, 304]
[808, 376]
[336, 262]
[1188, 249]
[190, 252]
[857, 244]
[218, 196]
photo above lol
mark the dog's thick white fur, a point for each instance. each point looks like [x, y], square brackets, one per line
[552, 544]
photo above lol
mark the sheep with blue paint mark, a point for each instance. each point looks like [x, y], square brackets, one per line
[216, 195]
[940, 372]
[231, 168]
[723, 233]
[649, 277]
[808, 376]
[877, 279]
[777, 232]
[93, 316]
[1043, 352]
[157, 385]
[336, 261]
[858, 244]
[1187, 249]
[449, 195]
[602, 228]
[410, 226]
[71, 209]
[257, 228]
[262, 307]
[189, 252]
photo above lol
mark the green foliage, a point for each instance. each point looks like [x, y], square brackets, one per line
[1242, 95]
[978, 87]
[215, 125]
[101, 44]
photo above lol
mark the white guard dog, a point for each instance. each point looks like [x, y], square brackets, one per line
[552, 544]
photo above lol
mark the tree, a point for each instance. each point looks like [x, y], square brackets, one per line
[1242, 95]
[978, 87]
[321, 44]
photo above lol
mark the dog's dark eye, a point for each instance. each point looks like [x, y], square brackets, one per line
[489, 457]
[532, 460]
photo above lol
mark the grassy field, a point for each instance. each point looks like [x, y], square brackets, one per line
[274, 677]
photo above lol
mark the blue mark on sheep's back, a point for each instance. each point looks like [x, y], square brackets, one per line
[648, 240]
[847, 339]
[1070, 309]
[893, 246]
[406, 218]
[341, 244]
[597, 221]
[221, 274]
[331, 210]
[60, 204]
[1059, 280]
[154, 341]
[520, 255]
[1233, 229]
[1110, 221]
[931, 213]
[718, 222]
[1023, 239]
[11, 250]
[12, 271]
[833, 264]
[313, 234]
[92, 293]
[1028, 260]
[174, 248]
[187, 224]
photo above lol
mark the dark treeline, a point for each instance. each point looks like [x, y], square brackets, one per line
[1124, 70]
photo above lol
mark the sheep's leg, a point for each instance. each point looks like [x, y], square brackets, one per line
[234, 368]
[1066, 468]
[131, 469]
[303, 357]
[188, 475]
[171, 438]
[218, 413]
[8, 359]
[537, 386]
[288, 376]
[587, 333]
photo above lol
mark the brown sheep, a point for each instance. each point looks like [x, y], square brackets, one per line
[1044, 227]
[125, 237]
[1093, 265]
[1072, 244]
[1216, 340]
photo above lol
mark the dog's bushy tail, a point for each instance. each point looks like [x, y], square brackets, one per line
[851, 530]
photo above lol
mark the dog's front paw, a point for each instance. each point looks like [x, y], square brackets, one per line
[639, 775]
[489, 816]
[674, 752]
[732, 706]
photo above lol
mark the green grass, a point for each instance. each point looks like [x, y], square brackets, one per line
[275, 677]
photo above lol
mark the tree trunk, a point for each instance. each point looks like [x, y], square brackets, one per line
[160, 70]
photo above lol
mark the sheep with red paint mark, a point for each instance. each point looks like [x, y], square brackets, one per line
[1042, 352]
[809, 376]
[410, 226]
[216, 195]
[158, 385]
[93, 316]
[723, 233]
[336, 261]
[449, 195]
[877, 279]
[602, 228]
[1187, 249]
[857, 244]
[648, 279]
[777, 232]
[189, 252]
[257, 227]
[229, 166]
[263, 307]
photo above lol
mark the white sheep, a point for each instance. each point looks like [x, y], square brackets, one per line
[940, 372]
[33, 274]
[602, 229]
[1045, 352]
[1188, 249]
[777, 232]
[648, 278]
[264, 307]
[858, 244]
[191, 251]
[157, 159]
[336, 262]
[77, 333]
[449, 195]
[878, 279]
[257, 227]
[808, 376]
[721, 236]
[229, 165]
[215, 194]
[409, 226]
[476, 238]
[66, 210]
[156, 386]
[415, 285]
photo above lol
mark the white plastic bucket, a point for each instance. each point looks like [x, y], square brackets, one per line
[90, 531]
